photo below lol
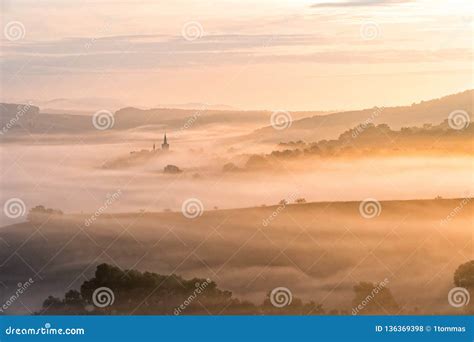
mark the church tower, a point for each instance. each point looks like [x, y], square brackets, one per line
[165, 146]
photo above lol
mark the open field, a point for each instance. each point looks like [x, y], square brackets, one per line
[318, 250]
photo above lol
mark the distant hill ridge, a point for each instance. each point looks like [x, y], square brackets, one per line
[312, 125]
[331, 125]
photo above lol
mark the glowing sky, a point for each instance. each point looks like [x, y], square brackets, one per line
[250, 54]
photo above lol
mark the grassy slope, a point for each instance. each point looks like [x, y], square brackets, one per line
[318, 250]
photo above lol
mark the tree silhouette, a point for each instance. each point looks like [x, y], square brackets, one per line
[464, 277]
[40, 213]
[373, 299]
[154, 294]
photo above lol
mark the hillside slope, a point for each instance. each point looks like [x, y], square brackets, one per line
[330, 126]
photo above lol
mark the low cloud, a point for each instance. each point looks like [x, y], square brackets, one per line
[150, 52]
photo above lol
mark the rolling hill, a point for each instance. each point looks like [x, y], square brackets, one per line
[329, 126]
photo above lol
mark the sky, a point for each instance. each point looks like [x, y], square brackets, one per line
[267, 54]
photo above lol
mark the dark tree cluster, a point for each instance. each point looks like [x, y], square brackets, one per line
[154, 294]
[41, 213]
[369, 139]
[149, 293]
[464, 277]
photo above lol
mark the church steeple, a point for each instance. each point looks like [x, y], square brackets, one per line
[165, 146]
